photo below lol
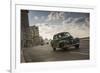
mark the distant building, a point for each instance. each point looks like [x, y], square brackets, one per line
[46, 41]
[29, 34]
[33, 36]
[34, 30]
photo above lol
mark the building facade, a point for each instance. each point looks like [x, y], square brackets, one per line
[24, 27]
[33, 38]
[29, 34]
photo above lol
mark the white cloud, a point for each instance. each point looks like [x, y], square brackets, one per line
[55, 16]
[69, 20]
[76, 29]
[69, 25]
[42, 17]
[36, 18]
[48, 32]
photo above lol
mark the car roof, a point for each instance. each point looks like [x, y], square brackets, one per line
[60, 33]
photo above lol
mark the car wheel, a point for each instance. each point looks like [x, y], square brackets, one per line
[54, 49]
[77, 46]
[65, 48]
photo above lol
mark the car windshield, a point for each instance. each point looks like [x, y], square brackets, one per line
[60, 35]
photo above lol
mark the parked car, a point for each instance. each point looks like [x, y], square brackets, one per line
[64, 40]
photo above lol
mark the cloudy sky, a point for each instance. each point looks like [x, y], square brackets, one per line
[52, 22]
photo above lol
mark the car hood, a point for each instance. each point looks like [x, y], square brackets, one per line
[66, 38]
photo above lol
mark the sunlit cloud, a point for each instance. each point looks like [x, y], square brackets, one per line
[55, 16]
[35, 17]
[55, 22]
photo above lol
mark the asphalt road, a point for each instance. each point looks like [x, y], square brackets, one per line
[45, 53]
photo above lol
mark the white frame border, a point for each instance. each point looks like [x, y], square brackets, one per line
[15, 29]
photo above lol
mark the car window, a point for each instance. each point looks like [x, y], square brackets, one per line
[61, 35]
[67, 34]
[55, 37]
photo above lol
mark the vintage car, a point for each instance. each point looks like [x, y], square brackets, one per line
[64, 40]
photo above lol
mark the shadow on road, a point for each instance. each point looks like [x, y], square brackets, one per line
[67, 49]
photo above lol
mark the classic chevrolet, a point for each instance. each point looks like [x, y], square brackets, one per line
[64, 40]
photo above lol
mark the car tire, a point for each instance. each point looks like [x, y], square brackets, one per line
[65, 48]
[54, 49]
[77, 46]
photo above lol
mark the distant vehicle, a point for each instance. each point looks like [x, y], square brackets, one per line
[64, 40]
[46, 41]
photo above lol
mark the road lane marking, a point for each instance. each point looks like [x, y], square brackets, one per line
[80, 53]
